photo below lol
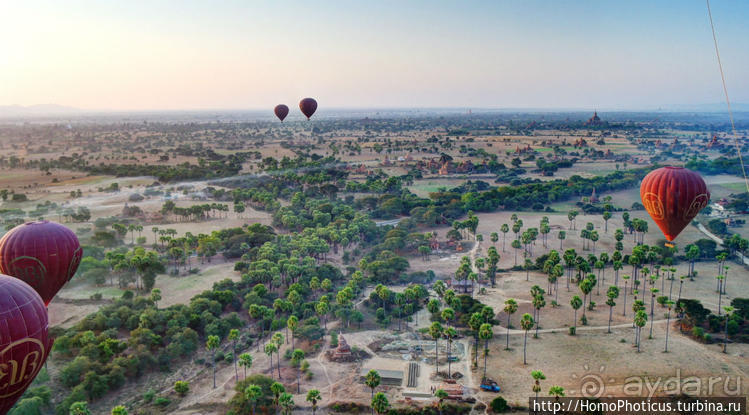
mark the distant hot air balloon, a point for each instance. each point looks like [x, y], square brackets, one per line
[43, 254]
[281, 111]
[308, 107]
[673, 196]
[24, 339]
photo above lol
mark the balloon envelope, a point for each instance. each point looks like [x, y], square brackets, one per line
[24, 339]
[308, 106]
[281, 111]
[43, 254]
[673, 196]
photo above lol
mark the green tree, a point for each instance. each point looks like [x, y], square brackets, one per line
[79, 408]
[537, 376]
[277, 389]
[181, 387]
[245, 360]
[511, 306]
[526, 322]
[233, 337]
[253, 393]
[441, 396]
[119, 410]
[486, 334]
[435, 330]
[211, 345]
[286, 401]
[612, 294]
[373, 381]
[296, 357]
[313, 396]
[576, 303]
[380, 403]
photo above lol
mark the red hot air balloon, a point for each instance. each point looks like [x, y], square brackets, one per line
[281, 111]
[308, 107]
[673, 196]
[24, 339]
[43, 254]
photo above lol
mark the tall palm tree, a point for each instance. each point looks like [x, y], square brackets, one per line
[447, 315]
[233, 337]
[669, 304]
[245, 360]
[313, 396]
[526, 322]
[729, 312]
[511, 306]
[557, 392]
[286, 401]
[277, 389]
[538, 303]
[212, 344]
[576, 303]
[624, 305]
[504, 229]
[253, 393]
[278, 340]
[372, 380]
[441, 395]
[537, 376]
[380, 403]
[297, 356]
[641, 319]
[435, 330]
[271, 348]
[612, 294]
[475, 323]
[486, 333]
[291, 324]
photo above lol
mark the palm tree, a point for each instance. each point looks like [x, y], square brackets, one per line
[557, 392]
[494, 237]
[486, 333]
[576, 303]
[372, 380]
[271, 348]
[729, 312]
[253, 393]
[624, 305]
[526, 322]
[278, 340]
[504, 229]
[441, 395]
[233, 337]
[537, 376]
[448, 314]
[286, 401]
[277, 389]
[380, 403]
[435, 330]
[511, 306]
[538, 304]
[313, 395]
[612, 294]
[641, 319]
[297, 356]
[669, 304]
[212, 344]
[562, 235]
[720, 291]
[291, 324]
[245, 360]
[516, 246]
[474, 323]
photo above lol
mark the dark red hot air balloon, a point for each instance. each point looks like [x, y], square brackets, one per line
[673, 196]
[24, 339]
[43, 254]
[281, 111]
[308, 107]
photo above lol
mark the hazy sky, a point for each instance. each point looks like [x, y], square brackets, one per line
[254, 54]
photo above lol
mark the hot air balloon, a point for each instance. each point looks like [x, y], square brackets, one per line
[308, 107]
[673, 196]
[281, 111]
[24, 339]
[43, 254]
